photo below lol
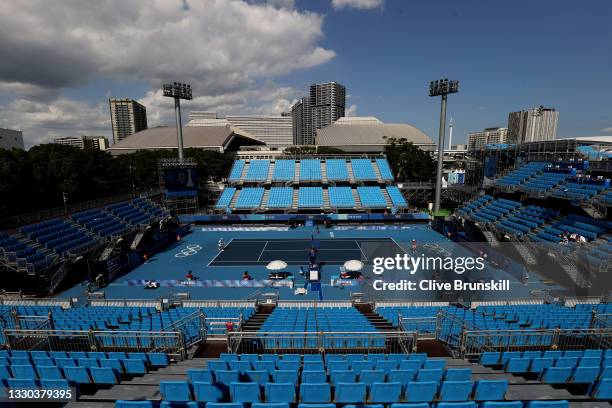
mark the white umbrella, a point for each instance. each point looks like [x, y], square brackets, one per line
[353, 265]
[276, 265]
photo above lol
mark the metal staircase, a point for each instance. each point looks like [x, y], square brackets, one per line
[264, 199]
[245, 169]
[377, 172]
[232, 204]
[296, 176]
[326, 199]
[351, 176]
[324, 172]
[270, 172]
[525, 253]
[356, 198]
[385, 194]
[294, 205]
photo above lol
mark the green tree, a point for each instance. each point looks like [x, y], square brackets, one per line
[408, 162]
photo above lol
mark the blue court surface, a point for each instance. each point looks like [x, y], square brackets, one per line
[249, 249]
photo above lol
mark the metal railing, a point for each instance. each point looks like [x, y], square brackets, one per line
[450, 327]
[601, 321]
[425, 326]
[322, 342]
[168, 342]
[217, 326]
[474, 343]
[33, 322]
[192, 327]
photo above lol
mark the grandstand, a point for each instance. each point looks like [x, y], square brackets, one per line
[339, 184]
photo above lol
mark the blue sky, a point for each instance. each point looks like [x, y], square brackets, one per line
[258, 56]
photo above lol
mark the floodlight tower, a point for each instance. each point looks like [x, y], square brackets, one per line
[178, 91]
[441, 87]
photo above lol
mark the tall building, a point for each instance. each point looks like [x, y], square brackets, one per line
[84, 142]
[301, 116]
[274, 131]
[325, 105]
[11, 139]
[477, 140]
[532, 125]
[328, 102]
[127, 117]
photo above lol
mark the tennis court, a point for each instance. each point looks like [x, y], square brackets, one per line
[246, 252]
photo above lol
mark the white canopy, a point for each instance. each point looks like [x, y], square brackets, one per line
[353, 265]
[276, 265]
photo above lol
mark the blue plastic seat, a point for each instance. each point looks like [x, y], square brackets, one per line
[221, 405]
[347, 393]
[411, 365]
[113, 363]
[245, 392]
[218, 365]
[410, 405]
[280, 392]
[208, 391]
[434, 364]
[55, 384]
[199, 375]
[602, 389]
[421, 391]
[500, 404]
[284, 376]
[401, 376]
[23, 371]
[555, 375]
[77, 375]
[360, 365]
[517, 365]
[65, 362]
[313, 365]
[314, 376]
[77, 354]
[242, 366]
[134, 404]
[315, 393]
[507, 355]
[455, 390]
[22, 383]
[260, 377]
[43, 361]
[385, 393]
[158, 359]
[584, 375]
[337, 365]
[268, 366]
[316, 406]
[465, 404]
[227, 377]
[371, 376]
[589, 361]
[429, 375]
[458, 374]
[227, 357]
[186, 404]
[386, 366]
[290, 365]
[539, 364]
[490, 390]
[134, 366]
[49, 373]
[270, 405]
[103, 375]
[570, 362]
[88, 362]
[346, 376]
[175, 391]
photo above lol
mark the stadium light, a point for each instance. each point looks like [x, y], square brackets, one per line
[178, 91]
[441, 87]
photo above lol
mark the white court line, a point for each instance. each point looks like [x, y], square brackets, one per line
[262, 251]
[230, 241]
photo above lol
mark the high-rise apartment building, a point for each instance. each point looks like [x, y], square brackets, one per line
[328, 102]
[532, 125]
[11, 139]
[127, 117]
[84, 142]
[301, 116]
[477, 140]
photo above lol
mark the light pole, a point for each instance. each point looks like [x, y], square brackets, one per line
[178, 91]
[441, 87]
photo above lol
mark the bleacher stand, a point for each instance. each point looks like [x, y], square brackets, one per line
[336, 170]
[310, 197]
[280, 197]
[341, 197]
[236, 171]
[257, 170]
[226, 198]
[310, 170]
[249, 197]
[284, 170]
[371, 197]
[362, 169]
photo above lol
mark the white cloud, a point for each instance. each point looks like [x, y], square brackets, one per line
[351, 111]
[358, 4]
[43, 121]
[607, 130]
[227, 50]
